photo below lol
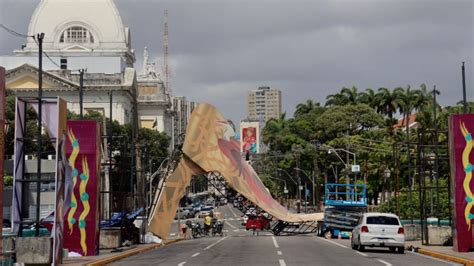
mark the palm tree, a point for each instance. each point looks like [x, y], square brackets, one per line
[304, 108]
[351, 95]
[336, 99]
[273, 128]
[387, 102]
[369, 97]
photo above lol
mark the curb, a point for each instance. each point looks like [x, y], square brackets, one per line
[447, 257]
[130, 253]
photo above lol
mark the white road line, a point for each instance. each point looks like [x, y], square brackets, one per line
[232, 211]
[236, 230]
[332, 242]
[172, 234]
[231, 219]
[275, 242]
[385, 263]
[182, 263]
[195, 254]
[282, 262]
[360, 253]
[279, 253]
[215, 243]
[229, 224]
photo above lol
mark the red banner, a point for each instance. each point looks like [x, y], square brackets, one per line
[81, 229]
[461, 130]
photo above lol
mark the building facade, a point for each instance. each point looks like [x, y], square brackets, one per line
[263, 104]
[182, 109]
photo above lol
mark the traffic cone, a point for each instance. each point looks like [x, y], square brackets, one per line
[339, 236]
[350, 236]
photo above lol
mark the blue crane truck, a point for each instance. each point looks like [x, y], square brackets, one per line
[344, 205]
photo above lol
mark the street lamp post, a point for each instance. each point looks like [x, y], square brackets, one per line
[312, 181]
[387, 174]
[296, 183]
[355, 167]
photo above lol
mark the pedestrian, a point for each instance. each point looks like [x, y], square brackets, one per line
[207, 223]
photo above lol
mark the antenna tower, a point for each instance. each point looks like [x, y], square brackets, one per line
[166, 54]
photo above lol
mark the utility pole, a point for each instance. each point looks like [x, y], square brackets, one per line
[464, 99]
[40, 37]
[81, 92]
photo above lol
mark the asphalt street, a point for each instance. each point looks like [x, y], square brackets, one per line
[240, 247]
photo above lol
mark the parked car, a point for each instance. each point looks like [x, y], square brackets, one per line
[205, 211]
[379, 230]
[183, 213]
[191, 212]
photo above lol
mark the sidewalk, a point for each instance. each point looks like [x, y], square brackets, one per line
[443, 252]
[107, 256]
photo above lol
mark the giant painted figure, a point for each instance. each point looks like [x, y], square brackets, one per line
[461, 130]
[210, 146]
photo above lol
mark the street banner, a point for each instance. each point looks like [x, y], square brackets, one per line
[81, 232]
[211, 145]
[461, 130]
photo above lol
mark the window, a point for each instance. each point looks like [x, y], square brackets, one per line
[76, 34]
[382, 220]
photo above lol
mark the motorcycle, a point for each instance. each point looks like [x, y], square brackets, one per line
[217, 226]
[196, 229]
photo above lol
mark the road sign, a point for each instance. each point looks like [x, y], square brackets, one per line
[355, 168]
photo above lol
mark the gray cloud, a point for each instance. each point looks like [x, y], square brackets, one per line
[308, 49]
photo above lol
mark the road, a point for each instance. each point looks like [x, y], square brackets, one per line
[239, 247]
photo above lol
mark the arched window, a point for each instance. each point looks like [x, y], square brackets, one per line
[76, 34]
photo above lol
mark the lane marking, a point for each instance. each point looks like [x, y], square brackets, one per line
[215, 243]
[385, 263]
[229, 224]
[275, 242]
[282, 262]
[232, 211]
[195, 254]
[332, 242]
[236, 230]
[182, 263]
[360, 253]
[231, 219]
[172, 234]
[279, 253]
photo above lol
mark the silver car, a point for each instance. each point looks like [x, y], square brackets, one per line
[379, 230]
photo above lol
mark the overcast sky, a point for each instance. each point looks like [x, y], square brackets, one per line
[308, 49]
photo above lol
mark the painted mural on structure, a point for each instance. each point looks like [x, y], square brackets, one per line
[461, 130]
[81, 232]
[210, 145]
[249, 140]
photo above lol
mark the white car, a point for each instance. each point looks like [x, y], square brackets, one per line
[379, 230]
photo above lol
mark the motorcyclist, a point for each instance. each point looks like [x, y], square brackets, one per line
[208, 223]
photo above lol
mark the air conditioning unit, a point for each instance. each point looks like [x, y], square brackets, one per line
[51, 157]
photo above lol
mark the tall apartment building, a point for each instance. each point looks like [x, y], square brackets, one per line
[182, 110]
[263, 104]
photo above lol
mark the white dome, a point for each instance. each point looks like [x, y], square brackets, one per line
[78, 26]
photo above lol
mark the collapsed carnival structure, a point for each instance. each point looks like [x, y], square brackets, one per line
[210, 146]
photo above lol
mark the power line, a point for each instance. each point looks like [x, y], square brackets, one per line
[47, 56]
[12, 32]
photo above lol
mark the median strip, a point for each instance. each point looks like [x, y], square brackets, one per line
[446, 257]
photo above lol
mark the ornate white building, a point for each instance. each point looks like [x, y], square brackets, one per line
[90, 35]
